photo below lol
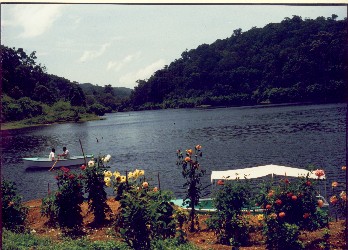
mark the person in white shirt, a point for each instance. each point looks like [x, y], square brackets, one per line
[51, 157]
[65, 154]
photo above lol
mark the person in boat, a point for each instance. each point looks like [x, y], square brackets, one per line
[65, 153]
[52, 155]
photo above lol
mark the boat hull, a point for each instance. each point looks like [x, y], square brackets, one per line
[41, 162]
[206, 205]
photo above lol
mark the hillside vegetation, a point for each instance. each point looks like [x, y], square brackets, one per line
[293, 61]
[32, 96]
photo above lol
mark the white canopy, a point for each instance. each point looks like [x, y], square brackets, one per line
[260, 171]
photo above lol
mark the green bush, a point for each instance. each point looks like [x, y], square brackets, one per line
[13, 211]
[97, 109]
[228, 223]
[68, 200]
[145, 216]
[95, 187]
[145, 213]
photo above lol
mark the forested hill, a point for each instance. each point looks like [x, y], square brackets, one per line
[29, 93]
[295, 60]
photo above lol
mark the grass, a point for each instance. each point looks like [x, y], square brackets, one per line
[15, 241]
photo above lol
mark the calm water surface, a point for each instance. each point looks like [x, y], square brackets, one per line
[232, 138]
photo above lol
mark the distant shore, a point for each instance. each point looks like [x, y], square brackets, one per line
[29, 123]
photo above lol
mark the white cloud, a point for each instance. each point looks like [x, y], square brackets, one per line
[129, 80]
[91, 54]
[118, 65]
[34, 19]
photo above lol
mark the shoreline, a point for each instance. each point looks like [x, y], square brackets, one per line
[21, 124]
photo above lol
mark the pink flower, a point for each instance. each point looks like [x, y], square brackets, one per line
[319, 173]
[83, 167]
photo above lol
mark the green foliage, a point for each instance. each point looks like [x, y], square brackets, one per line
[97, 109]
[49, 209]
[13, 212]
[12, 241]
[68, 200]
[94, 186]
[192, 172]
[282, 235]
[228, 223]
[282, 62]
[145, 215]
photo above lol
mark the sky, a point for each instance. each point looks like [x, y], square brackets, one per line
[119, 44]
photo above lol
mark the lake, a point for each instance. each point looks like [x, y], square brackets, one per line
[231, 138]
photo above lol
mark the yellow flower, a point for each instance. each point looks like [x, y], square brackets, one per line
[343, 195]
[91, 164]
[145, 184]
[107, 181]
[131, 175]
[123, 179]
[260, 217]
[107, 173]
[141, 172]
[116, 174]
[334, 184]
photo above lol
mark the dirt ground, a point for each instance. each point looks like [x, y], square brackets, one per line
[204, 239]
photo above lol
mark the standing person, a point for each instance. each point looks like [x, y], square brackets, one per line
[51, 157]
[65, 154]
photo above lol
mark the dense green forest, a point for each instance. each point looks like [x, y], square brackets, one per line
[29, 92]
[295, 60]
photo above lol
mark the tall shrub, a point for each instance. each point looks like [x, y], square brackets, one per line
[193, 173]
[68, 199]
[95, 187]
[228, 223]
[13, 211]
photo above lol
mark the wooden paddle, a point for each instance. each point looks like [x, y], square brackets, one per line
[54, 164]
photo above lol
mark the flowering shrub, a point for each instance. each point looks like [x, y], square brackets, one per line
[145, 213]
[228, 223]
[192, 172]
[13, 212]
[95, 175]
[289, 207]
[338, 199]
[65, 206]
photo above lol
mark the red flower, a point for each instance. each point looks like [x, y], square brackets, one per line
[64, 169]
[220, 182]
[281, 215]
[56, 177]
[71, 176]
[286, 181]
[83, 167]
[294, 197]
[308, 183]
[279, 202]
[305, 215]
[268, 206]
[289, 194]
